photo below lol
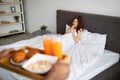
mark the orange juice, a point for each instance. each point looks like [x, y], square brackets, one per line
[48, 46]
[57, 49]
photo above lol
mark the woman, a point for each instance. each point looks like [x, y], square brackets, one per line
[76, 28]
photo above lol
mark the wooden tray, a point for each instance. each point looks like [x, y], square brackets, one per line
[5, 63]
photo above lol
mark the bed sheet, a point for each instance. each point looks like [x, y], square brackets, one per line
[108, 59]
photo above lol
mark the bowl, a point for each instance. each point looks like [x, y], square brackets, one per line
[39, 57]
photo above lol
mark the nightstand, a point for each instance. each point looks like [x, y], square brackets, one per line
[39, 32]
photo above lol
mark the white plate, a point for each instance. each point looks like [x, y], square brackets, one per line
[38, 57]
[17, 64]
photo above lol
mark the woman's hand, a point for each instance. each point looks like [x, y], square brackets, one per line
[73, 26]
[76, 37]
[79, 32]
[72, 29]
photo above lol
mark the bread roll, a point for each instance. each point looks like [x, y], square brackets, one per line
[19, 56]
[31, 52]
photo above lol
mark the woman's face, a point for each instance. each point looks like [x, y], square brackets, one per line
[75, 23]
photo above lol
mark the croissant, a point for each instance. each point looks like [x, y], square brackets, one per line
[19, 56]
[31, 52]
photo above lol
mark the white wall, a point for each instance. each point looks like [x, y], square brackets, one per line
[39, 12]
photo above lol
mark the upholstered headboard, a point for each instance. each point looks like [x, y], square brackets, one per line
[95, 23]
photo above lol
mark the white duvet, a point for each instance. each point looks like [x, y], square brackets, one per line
[82, 54]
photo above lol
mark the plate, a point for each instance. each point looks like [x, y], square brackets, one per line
[17, 64]
[39, 57]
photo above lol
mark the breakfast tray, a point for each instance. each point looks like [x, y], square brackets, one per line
[5, 63]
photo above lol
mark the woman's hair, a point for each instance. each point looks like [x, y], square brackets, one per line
[80, 25]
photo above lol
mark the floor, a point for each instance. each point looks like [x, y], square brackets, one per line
[13, 38]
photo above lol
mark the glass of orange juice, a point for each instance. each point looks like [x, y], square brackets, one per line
[57, 49]
[47, 43]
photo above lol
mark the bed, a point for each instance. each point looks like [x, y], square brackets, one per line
[108, 59]
[108, 68]
[101, 24]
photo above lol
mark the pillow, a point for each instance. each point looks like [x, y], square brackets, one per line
[94, 41]
[67, 29]
[90, 37]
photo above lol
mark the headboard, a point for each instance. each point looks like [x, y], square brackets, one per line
[95, 23]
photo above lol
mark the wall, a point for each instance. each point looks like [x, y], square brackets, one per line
[39, 12]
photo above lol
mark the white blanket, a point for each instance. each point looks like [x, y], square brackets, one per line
[82, 54]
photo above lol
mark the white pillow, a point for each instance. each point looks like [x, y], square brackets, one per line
[67, 28]
[95, 41]
[93, 37]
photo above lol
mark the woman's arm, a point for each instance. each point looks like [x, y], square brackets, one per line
[76, 37]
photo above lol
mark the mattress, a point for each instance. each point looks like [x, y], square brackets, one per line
[108, 59]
